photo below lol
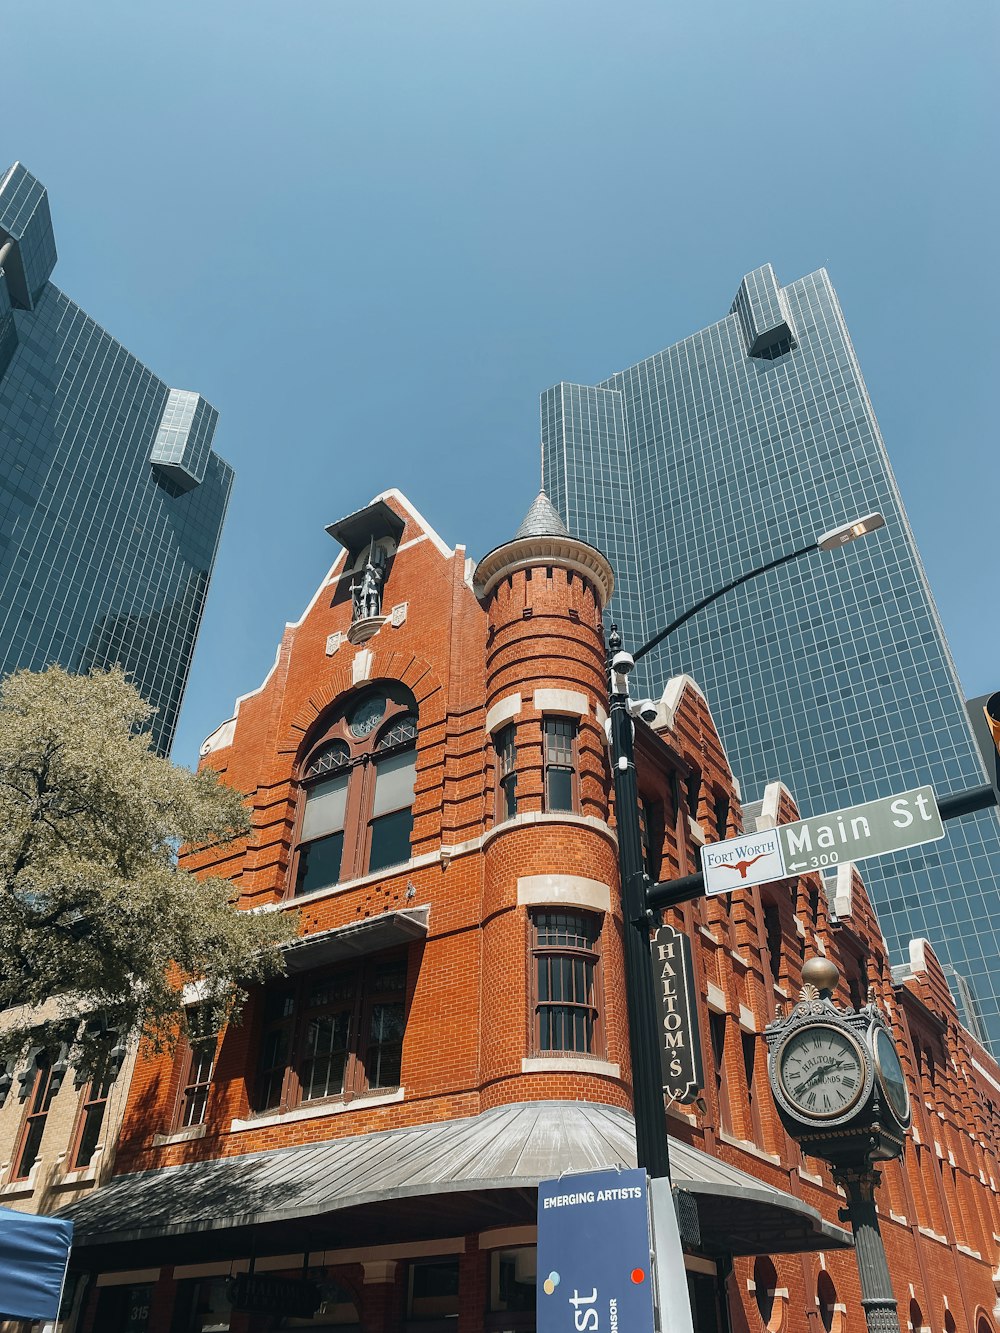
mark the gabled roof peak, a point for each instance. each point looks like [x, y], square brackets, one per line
[542, 520]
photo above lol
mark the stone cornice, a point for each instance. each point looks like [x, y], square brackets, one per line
[524, 552]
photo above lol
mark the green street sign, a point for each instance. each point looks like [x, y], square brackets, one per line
[890, 824]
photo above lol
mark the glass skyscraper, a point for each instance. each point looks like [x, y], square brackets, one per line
[111, 499]
[832, 674]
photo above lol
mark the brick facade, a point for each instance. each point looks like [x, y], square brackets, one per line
[512, 650]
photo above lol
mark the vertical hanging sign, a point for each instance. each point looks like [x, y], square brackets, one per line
[679, 1037]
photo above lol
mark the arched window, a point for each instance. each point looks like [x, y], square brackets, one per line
[916, 1317]
[357, 779]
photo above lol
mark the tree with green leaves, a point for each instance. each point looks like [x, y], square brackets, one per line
[100, 928]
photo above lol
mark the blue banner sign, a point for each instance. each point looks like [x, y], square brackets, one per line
[594, 1263]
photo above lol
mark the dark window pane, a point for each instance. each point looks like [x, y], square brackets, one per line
[32, 1143]
[202, 1059]
[93, 1118]
[507, 759]
[383, 1058]
[559, 788]
[195, 1107]
[273, 1059]
[319, 863]
[322, 1073]
[434, 1289]
[390, 839]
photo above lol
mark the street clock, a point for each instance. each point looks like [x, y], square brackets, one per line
[822, 1072]
[840, 1091]
[835, 1075]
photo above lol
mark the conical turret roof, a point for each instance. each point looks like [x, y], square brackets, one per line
[544, 539]
[541, 520]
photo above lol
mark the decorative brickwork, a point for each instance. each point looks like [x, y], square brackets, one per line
[528, 648]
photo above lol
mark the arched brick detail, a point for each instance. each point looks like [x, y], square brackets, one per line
[413, 672]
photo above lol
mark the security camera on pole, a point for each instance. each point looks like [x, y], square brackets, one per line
[840, 1091]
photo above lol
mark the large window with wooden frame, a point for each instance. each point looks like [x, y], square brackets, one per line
[566, 980]
[335, 1034]
[41, 1088]
[357, 780]
[560, 755]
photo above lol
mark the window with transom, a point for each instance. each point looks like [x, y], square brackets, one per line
[357, 780]
[560, 735]
[566, 964]
[332, 1035]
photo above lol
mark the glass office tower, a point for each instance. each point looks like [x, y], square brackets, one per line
[111, 499]
[739, 443]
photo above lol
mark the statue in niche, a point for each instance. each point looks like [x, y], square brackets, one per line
[366, 594]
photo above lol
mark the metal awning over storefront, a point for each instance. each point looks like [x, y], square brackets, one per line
[369, 935]
[428, 1181]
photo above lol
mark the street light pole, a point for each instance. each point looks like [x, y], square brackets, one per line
[647, 1089]
[637, 894]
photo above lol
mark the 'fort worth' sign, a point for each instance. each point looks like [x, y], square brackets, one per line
[890, 824]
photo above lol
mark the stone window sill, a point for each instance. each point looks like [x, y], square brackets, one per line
[85, 1176]
[749, 1147]
[315, 1112]
[569, 1064]
[18, 1189]
[180, 1136]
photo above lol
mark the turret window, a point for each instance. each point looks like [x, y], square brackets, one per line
[560, 735]
[506, 749]
[358, 779]
[566, 981]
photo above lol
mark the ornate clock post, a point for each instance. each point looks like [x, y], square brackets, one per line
[840, 1092]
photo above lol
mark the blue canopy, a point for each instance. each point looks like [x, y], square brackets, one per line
[34, 1253]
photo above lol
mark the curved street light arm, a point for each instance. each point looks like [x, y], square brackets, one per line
[721, 592]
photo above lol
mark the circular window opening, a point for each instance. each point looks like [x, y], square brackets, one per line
[765, 1281]
[826, 1299]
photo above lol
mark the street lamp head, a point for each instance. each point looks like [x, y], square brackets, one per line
[849, 532]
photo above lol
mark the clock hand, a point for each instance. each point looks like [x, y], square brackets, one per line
[813, 1077]
[818, 1075]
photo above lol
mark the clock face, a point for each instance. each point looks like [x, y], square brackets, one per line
[367, 715]
[821, 1070]
[891, 1078]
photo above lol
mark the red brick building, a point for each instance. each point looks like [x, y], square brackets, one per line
[427, 768]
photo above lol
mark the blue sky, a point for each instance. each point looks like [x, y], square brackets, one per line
[372, 233]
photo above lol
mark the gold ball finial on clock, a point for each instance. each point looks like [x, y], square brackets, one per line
[821, 973]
